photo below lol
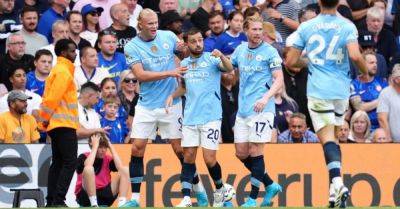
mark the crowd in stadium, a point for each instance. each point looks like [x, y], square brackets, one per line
[109, 91]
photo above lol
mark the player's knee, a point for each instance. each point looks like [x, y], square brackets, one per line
[138, 149]
[189, 156]
[242, 155]
[210, 161]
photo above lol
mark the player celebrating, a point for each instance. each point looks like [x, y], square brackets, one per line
[261, 77]
[151, 56]
[328, 41]
[203, 113]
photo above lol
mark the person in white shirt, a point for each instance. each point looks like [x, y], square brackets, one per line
[134, 9]
[89, 119]
[17, 77]
[88, 70]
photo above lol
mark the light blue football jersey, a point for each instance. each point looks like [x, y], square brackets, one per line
[325, 40]
[156, 55]
[202, 81]
[255, 68]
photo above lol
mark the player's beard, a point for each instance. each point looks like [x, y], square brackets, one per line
[196, 52]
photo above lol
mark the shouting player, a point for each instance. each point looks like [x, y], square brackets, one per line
[151, 57]
[203, 113]
[260, 69]
[329, 40]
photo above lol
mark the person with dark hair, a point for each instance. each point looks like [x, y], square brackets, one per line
[95, 186]
[57, 11]
[15, 56]
[172, 21]
[199, 18]
[216, 23]
[35, 79]
[297, 131]
[34, 40]
[74, 18]
[58, 115]
[330, 42]
[89, 119]
[233, 36]
[91, 25]
[359, 12]
[120, 26]
[104, 17]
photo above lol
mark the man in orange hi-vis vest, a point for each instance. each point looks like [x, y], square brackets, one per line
[58, 115]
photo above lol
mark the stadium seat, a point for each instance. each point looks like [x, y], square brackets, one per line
[26, 194]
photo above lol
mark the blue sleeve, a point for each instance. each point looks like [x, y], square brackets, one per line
[298, 41]
[353, 90]
[214, 60]
[396, 4]
[351, 33]
[208, 45]
[275, 61]
[218, 43]
[131, 55]
[43, 28]
[234, 57]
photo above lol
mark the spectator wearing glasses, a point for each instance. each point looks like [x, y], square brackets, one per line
[91, 25]
[128, 93]
[89, 119]
[15, 56]
[105, 17]
[120, 26]
[88, 71]
[15, 125]
[109, 59]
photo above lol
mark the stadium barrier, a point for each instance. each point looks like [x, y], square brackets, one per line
[371, 171]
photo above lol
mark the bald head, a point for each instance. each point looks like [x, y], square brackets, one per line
[120, 14]
[166, 5]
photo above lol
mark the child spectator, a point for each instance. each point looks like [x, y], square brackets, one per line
[118, 130]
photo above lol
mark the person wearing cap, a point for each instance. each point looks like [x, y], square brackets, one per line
[367, 44]
[172, 21]
[15, 125]
[17, 77]
[389, 108]
[105, 17]
[120, 26]
[365, 89]
[91, 25]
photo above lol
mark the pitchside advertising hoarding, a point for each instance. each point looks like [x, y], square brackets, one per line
[372, 173]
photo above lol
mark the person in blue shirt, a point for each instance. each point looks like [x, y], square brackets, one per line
[202, 114]
[118, 130]
[109, 59]
[233, 37]
[57, 11]
[151, 57]
[260, 78]
[297, 131]
[228, 6]
[329, 42]
[216, 23]
[365, 90]
[35, 79]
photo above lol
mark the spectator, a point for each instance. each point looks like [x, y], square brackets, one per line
[89, 119]
[35, 79]
[120, 26]
[59, 117]
[199, 18]
[359, 11]
[9, 22]
[307, 14]
[88, 71]
[118, 131]
[34, 40]
[396, 12]
[105, 17]
[134, 9]
[40, 5]
[166, 5]
[17, 78]
[242, 5]
[95, 186]
[229, 101]
[91, 23]
[228, 6]
[384, 38]
[216, 23]
[285, 106]
[360, 127]
[186, 8]
[342, 133]
[366, 88]
[367, 44]
[109, 88]
[389, 108]
[15, 56]
[172, 21]
[109, 59]
[128, 90]
[379, 136]
[270, 36]
[74, 19]
[284, 15]
[15, 125]
[297, 132]
[57, 11]
[233, 36]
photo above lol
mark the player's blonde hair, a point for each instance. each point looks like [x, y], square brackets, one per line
[144, 13]
[250, 20]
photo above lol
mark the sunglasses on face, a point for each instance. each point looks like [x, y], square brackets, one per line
[129, 80]
[94, 13]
